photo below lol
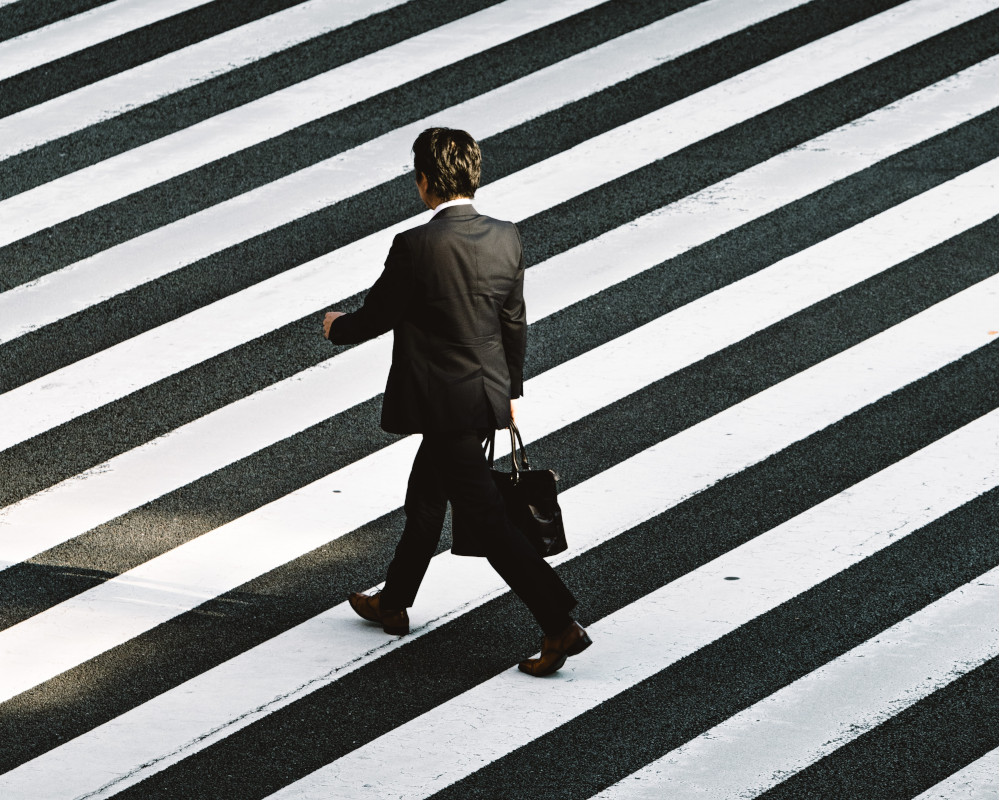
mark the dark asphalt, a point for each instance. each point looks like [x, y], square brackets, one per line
[758, 499]
[724, 379]
[149, 412]
[899, 758]
[366, 703]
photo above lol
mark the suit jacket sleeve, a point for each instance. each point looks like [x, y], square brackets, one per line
[385, 302]
[514, 331]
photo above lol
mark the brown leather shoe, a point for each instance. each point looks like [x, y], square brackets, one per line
[369, 607]
[555, 651]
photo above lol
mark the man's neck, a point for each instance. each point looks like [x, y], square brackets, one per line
[455, 201]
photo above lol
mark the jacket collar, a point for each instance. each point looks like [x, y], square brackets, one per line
[464, 210]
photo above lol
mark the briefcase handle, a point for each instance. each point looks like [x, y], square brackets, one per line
[516, 451]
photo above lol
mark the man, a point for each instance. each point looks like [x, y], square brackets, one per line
[451, 292]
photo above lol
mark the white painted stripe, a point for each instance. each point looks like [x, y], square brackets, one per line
[828, 708]
[42, 45]
[158, 252]
[123, 368]
[284, 669]
[222, 437]
[94, 621]
[977, 781]
[294, 404]
[648, 636]
[274, 114]
[183, 68]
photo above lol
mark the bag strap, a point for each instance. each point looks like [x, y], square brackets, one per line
[518, 455]
[524, 453]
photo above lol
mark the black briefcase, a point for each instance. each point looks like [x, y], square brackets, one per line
[530, 497]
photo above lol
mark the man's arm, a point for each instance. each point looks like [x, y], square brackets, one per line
[514, 331]
[384, 304]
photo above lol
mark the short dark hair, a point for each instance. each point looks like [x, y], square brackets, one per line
[450, 160]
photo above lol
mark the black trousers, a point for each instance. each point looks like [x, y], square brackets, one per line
[452, 466]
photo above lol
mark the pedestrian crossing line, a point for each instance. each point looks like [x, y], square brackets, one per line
[196, 449]
[272, 115]
[679, 703]
[789, 730]
[977, 781]
[284, 723]
[357, 375]
[557, 179]
[878, 471]
[917, 746]
[258, 682]
[106, 376]
[94, 621]
[191, 65]
[691, 612]
[187, 240]
[70, 35]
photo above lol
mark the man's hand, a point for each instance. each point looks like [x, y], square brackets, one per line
[513, 411]
[328, 321]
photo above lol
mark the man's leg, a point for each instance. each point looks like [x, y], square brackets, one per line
[465, 478]
[425, 506]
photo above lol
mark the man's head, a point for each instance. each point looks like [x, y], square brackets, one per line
[450, 162]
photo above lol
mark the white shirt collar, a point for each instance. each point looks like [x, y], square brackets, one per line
[458, 201]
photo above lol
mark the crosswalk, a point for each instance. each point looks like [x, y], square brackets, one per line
[762, 288]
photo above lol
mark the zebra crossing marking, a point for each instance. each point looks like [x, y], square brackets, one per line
[975, 781]
[174, 725]
[274, 114]
[180, 69]
[281, 670]
[98, 379]
[800, 724]
[94, 621]
[450, 742]
[125, 482]
[89, 28]
[174, 245]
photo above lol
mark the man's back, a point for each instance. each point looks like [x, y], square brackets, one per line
[452, 293]
[465, 266]
[451, 365]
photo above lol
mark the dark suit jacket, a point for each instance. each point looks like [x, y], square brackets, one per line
[452, 293]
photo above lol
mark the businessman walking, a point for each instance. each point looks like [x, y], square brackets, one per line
[452, 293]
